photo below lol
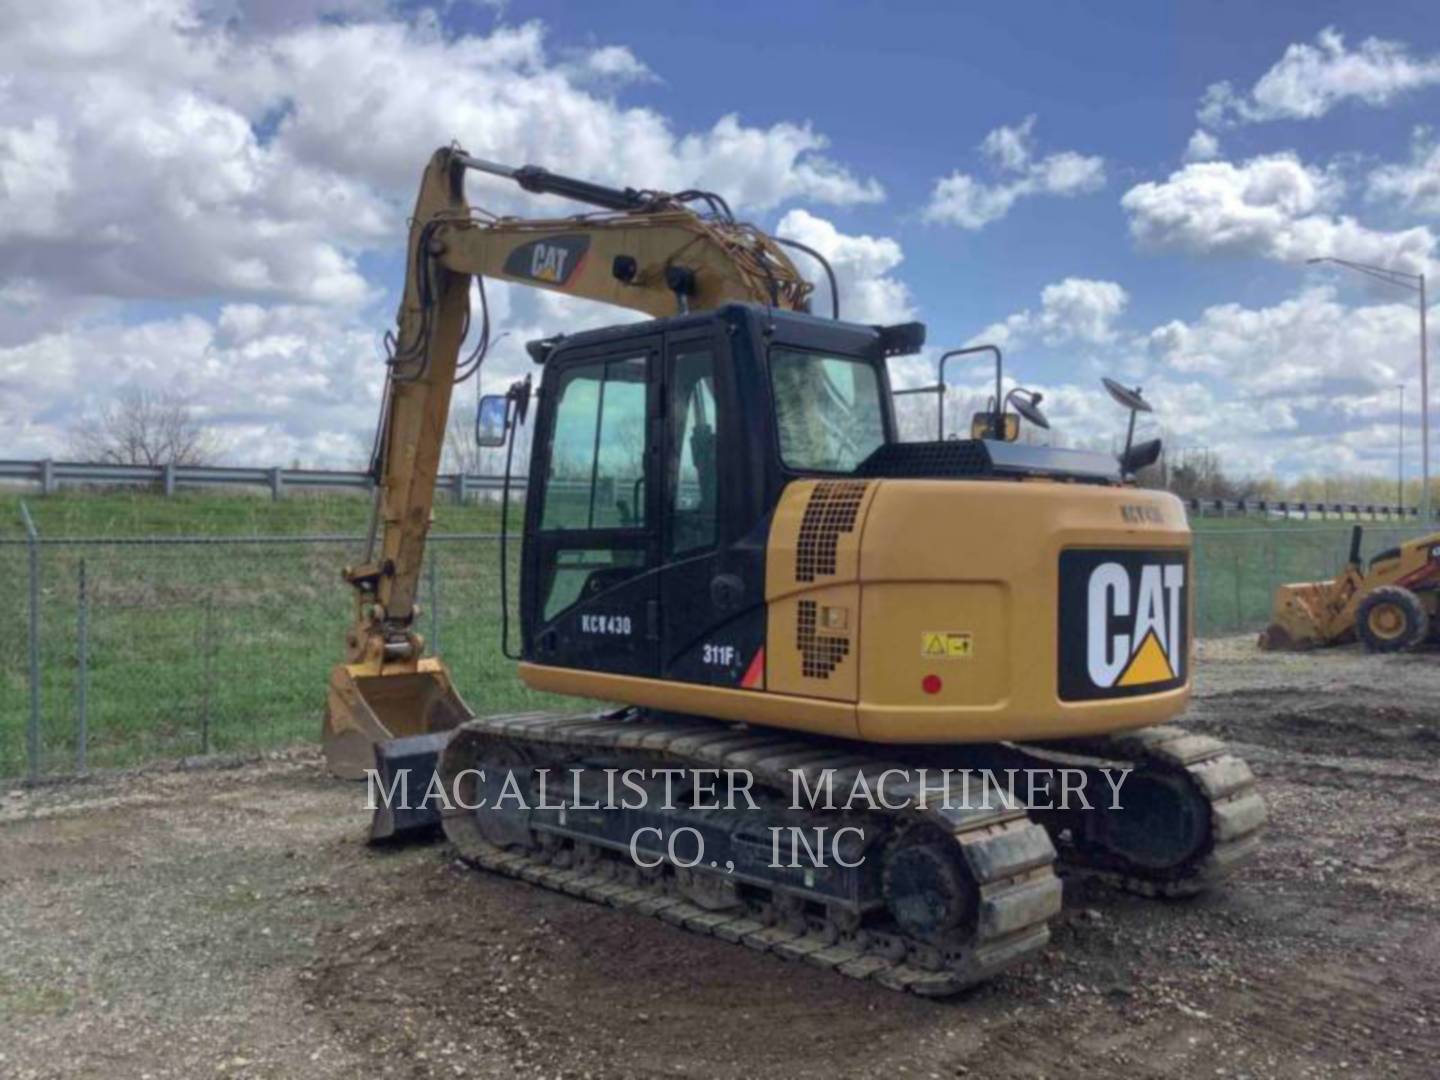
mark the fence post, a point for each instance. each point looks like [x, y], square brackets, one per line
[432, 573]
[169, 478]
[1275, 581]
[47, 477]
[32, 729]
[1239, 600]
[277, 483]
[82, 684]
[207, 635]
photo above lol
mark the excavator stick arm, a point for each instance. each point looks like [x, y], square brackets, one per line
[647, 251]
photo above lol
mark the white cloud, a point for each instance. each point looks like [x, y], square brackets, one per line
[287, 379]
[862, 265]
[374, 99]
[1414, 186]
[1203, 146]
[263, 16]
[250, 158]
[1303, 387]
[1081, 309]
[1075, 309]
[961, 199]
[1310, 80]
[612, 63]
[1273, 207]
[146, 150]
[1310, 343]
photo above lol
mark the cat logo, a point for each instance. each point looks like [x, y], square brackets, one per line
[1124, 622]
[554, 260]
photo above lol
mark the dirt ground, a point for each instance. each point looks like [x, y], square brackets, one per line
[229, 922]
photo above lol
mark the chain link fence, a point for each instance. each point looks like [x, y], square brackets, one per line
[132, 650]
[163, 649]
[1237, 569]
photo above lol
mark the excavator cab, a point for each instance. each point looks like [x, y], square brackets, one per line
[659, 455]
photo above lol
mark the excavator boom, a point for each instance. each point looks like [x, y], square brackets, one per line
[647, 251]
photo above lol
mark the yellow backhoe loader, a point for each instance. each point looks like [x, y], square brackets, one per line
[1388, 606]
[723, 531]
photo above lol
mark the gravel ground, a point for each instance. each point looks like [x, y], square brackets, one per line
[229, 922]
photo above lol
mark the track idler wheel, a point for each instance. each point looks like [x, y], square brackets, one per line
[928, 889]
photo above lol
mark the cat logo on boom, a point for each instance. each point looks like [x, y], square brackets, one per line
[1124, 622]
[554, 260]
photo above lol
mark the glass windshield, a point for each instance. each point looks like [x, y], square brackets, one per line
[827, 408]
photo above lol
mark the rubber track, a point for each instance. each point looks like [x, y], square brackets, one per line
[1009, 856]
[1237, 813]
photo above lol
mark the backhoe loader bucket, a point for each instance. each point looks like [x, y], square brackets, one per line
[378, 722]
[1297, 620]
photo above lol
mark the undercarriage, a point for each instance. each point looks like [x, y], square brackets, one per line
[759, 838]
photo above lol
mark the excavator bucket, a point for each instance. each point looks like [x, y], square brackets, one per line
[391, 723]
[1298, 617]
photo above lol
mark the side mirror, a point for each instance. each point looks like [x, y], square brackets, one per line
[1027, 404]
[492, 420]
[1133, 457]
[1140, 456]
[981, 422]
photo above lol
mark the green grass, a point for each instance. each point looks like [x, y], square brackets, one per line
[226, 646]
[222, 646]
[194, 513]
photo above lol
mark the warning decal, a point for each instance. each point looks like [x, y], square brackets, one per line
[945, 645]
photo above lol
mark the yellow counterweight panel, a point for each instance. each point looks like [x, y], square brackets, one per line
[979, 562]
[957, 633]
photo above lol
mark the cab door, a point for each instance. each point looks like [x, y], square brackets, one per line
[589, 592]
[711, 579]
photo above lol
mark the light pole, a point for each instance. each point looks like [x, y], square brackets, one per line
[1415, 283]
[1400, 451]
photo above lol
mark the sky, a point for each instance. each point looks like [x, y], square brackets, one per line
[208, 197]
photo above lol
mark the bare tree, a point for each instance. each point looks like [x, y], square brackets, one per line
[145, 427]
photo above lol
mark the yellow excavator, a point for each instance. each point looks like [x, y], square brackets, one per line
[724, 532]
[1391, 605]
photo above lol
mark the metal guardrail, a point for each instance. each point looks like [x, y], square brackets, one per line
[1305, 511]
[49, 475]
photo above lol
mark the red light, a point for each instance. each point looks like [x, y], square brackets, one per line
[931, 684]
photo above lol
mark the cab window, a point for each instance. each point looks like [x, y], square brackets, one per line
[828, 410]
[691, 461]
[597, 459]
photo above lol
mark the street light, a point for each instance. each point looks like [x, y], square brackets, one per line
[1400, 451]
[1415, 283]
